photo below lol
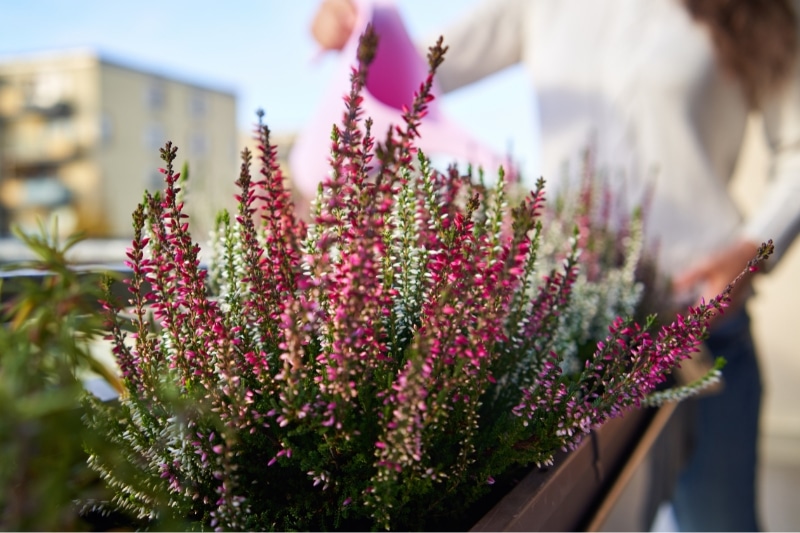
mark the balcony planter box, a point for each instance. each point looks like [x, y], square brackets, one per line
[593, 487]
[614, 481]
[585, 489]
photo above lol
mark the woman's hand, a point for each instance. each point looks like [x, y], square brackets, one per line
[711, 276]
[333, 23]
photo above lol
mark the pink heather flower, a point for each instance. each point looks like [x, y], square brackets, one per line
[400, 329]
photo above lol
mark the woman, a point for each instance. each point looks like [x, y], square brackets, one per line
[661, 91]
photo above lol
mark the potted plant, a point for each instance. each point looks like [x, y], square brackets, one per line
[380, 368]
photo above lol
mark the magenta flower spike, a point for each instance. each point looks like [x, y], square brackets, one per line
[388, 361]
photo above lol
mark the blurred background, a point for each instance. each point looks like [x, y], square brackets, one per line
[89, 90]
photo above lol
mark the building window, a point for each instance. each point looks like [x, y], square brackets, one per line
[199, 144]
[156, 95]
[35, 191]
[198, 104]
[47, 191]
[154, 136]
[154, 181]
[61, 129]
[106, 128]
[46, 90]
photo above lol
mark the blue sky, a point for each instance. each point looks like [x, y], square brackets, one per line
[259, 49]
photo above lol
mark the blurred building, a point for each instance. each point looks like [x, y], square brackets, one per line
[80, 138]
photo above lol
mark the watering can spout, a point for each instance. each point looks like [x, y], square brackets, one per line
[394, 76]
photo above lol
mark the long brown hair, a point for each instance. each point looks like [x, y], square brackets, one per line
[755, 40]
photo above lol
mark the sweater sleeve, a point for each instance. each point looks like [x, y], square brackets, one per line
[778, 217]
[484, 41]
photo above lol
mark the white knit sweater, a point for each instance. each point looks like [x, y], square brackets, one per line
[637, 81]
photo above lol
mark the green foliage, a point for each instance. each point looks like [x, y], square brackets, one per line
[46, 323]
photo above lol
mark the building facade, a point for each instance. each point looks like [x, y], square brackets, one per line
[80, 138]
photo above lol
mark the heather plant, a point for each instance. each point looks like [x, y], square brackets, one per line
[376, 369]
[608, 281]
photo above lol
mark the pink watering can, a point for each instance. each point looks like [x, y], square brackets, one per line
[395, 74]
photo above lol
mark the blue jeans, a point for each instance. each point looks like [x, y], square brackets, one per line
[716, 490]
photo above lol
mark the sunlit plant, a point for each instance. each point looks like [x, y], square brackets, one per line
[376, 369]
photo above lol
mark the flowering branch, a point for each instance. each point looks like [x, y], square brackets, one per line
[381, 365]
